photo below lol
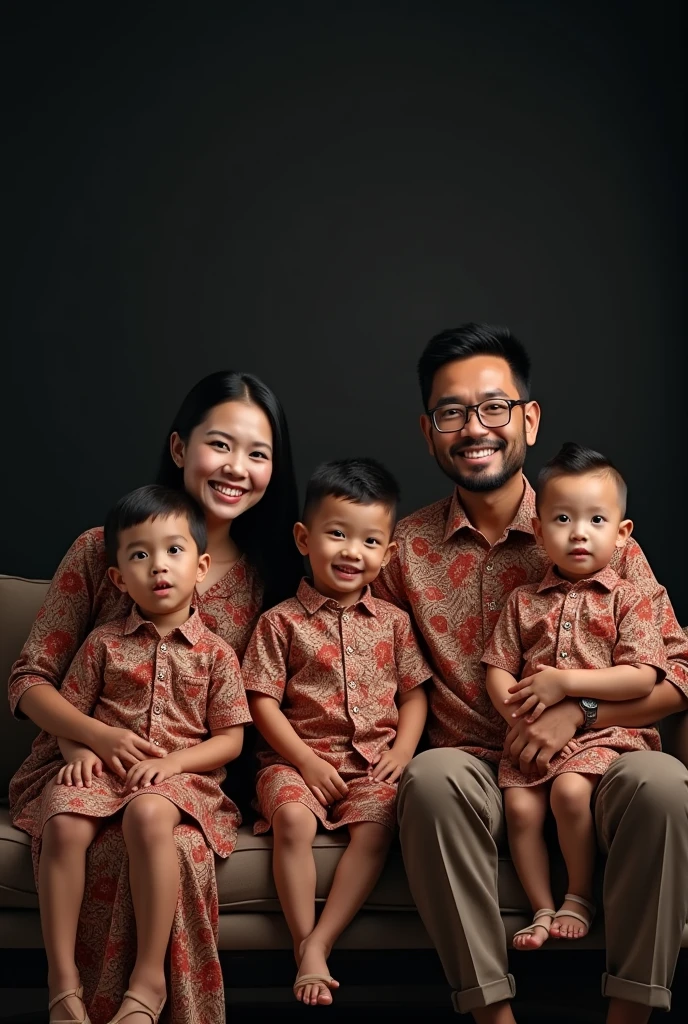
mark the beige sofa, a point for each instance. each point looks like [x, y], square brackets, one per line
[250, 917]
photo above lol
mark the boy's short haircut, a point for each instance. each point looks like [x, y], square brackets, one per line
[573, 460]
[149, 502]
[361, 481]
[473, 339]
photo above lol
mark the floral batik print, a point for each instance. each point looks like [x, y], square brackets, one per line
[336, 673]
[591, 624]
[81, 597]
[455, 584]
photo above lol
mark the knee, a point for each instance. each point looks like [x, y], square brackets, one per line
[570, 796]
[656, 784]
[294, 823]
[376, 838]
[523, 810]
[148, 818]
[66, 832]
[436, 778]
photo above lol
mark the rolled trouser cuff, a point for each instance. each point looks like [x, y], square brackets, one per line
[636, 992]
[484, 995]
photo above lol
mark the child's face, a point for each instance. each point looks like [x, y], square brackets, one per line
[347, 545]
[227, 460]
[158, 565]
[580, 523]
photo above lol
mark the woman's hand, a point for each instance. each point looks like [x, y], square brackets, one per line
[122, 748]
[151, 771]
[323, 780]
[537, 692]
[82, 766]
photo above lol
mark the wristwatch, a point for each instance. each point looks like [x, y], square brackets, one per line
[589, 708]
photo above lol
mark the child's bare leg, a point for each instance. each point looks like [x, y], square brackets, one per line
[61, 880]
[526, 809]
[148, 827]
[357, 872]
[293, 868]
[495, 1013]
[570, 800]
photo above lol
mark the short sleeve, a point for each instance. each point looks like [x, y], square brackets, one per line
[63, 621]
[227, 704]
[639, 641]
[83, 682]
[504, 649]
[412, 668]
[264, 668]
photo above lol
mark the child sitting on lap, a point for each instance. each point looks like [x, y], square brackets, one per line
[174, 689]
[334, 684]
[582, 632]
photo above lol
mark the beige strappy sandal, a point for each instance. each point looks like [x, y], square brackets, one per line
[587, 921]
[79, 993]
[141, 1008]
[530, 929]
[304, 980]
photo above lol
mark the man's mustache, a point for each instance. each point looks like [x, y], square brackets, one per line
[461, 446]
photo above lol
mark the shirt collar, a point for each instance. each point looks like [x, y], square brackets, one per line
[312, 600]
[606, 578]
[523, 520]
[192, 630]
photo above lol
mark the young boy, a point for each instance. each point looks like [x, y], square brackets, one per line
[334, 684]
[173, 692]
[582, 632]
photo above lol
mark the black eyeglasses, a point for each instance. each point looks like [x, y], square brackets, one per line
[495, 412]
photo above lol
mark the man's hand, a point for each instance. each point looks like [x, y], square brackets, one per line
[324, 781]
[122, 748]
[538, 691]
[82, 766]
[389, 765]
[151, 771]
[531, 746]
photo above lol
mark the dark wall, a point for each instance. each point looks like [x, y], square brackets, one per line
[311, 190]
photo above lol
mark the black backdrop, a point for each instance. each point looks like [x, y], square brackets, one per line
[311, 190]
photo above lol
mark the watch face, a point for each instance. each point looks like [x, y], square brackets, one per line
[588, 702]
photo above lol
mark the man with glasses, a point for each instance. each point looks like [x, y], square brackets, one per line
[458, 561]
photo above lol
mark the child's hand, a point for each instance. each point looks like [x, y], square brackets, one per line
[80, 770]
[150, 772]
[539, 691]
[323, 780]
[389, 765]
[120, 749]
[572, 747]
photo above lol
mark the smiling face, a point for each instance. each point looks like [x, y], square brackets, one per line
[580, 523]
[347, 544]
[158, 565]
[479, 458]
[227, 459]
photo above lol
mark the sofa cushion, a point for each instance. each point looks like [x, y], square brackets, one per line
[20, 600]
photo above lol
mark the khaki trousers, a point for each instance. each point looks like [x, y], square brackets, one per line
[451, 820]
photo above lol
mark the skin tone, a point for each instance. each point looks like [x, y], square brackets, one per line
[227, 463]
[159, 566]
[347, 545]
[580, 525]
[530, 745]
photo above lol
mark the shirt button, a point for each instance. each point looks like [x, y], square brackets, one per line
[567, 625]
[345, 618]
[352, 685]
[157, 709]
[157, 742]
[573, 594]
[491, 606]
[355, 709]
[563, 654]
[161, 675]
[163, 647]
[349, 650]
[489, 567]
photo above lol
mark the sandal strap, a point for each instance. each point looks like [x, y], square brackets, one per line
[545, 912]
[312, 979]
[572, 913]
[79, 993]
[145, 1008]
[590, 907]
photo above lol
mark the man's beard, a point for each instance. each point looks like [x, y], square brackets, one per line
[481, 482]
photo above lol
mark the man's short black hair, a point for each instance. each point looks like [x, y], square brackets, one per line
[573, 460]
[361, 481]
[149, 502]
[473, 340]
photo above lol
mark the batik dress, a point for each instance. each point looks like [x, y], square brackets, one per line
[336, 673]
[81, 597]
[591, 624]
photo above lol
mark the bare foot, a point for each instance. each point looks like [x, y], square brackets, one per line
[313, 961]
[569, 927]
[537, 934]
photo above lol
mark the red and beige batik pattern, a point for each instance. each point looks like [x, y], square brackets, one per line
[336, 673]
[80, 598]
[592, 624]
[171, 690]
[455, 584]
